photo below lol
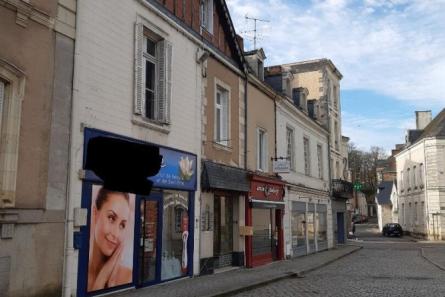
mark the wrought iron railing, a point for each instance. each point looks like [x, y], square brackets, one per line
[342, 189]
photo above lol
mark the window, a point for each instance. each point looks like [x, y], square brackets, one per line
[290, 147]
[414, 177]
[307, 157]
[335, 96]
[320, 161]
[222, 116]
[415, 213]
[408, 173]
[153, 75]
[12, 90]
[206, 12]
[336, 136]
[421, 181]
[262, 150]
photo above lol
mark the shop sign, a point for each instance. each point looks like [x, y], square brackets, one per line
[266, 191]
[281, 166]
[178, 170]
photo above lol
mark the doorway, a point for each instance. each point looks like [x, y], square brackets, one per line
[340, 228]
[150, 228]
[223, 232]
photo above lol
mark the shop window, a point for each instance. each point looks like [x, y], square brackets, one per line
[174, 262]
[263, 231]
[153, 74]
[298, 228]
[179, 212]
[321, 227]
[12, 90]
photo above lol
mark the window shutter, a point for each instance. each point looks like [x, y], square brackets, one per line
[265, 153]
[139, 69]
[164, 83]
[168, 97]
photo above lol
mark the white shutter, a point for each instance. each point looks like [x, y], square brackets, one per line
[265, 153]
[168, 82]
[164, 79]
[139, 69]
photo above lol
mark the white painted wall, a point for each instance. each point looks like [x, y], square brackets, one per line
[104, 93]
[427, 192]
[303, 126]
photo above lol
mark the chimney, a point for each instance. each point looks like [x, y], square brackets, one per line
[423, 118]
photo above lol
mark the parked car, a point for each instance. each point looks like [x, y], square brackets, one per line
[359, 218]
[392, 229]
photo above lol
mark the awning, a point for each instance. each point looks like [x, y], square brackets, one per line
[223, 177]
[256, 203]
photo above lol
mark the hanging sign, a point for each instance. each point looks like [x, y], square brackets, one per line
[281, 166]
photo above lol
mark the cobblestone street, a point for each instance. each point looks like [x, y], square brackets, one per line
[384, 267]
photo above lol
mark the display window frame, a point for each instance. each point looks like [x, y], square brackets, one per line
[83, 235]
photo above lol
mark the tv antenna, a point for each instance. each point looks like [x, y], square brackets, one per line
[254, 28]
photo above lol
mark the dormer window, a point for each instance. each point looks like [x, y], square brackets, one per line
[260, 70]
[206, 12]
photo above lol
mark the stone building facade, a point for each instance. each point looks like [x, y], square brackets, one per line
[36, 68]
[420, 179]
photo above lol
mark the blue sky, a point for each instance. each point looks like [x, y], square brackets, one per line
[390, 52]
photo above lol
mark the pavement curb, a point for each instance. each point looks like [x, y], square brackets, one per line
[285, 275]
[431, 261]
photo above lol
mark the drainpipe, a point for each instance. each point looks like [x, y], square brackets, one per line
[426, 196]
[275, 123]
[245, 119]
[68, 252]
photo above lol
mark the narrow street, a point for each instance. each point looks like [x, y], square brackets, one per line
[384, 267]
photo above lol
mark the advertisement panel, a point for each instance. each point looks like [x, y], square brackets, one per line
[111, 239]
[178, 170]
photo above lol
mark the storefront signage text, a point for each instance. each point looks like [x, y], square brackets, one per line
[178, 170]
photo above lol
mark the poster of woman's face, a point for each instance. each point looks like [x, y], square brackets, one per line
[110, 261]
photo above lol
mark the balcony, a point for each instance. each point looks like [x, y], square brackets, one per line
[341, 189]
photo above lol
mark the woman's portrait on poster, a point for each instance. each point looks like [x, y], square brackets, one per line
[111, 239]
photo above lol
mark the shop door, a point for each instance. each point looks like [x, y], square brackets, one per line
[340, 228]
[149, 253]
[264, 239]
[223, 233]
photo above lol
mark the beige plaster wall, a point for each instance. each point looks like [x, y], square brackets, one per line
[32, 50]
[218, 73]
[261, 114]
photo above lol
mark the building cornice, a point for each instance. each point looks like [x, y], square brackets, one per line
[308, 190]
[25, 11]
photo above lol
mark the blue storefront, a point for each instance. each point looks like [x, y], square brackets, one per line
[133, 239]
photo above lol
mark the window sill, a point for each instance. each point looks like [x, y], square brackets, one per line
[142, 122]
[222, 147]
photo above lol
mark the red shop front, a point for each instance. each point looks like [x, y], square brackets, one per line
[264, 218]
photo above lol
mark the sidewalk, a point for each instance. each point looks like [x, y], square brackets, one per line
[235, 281]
